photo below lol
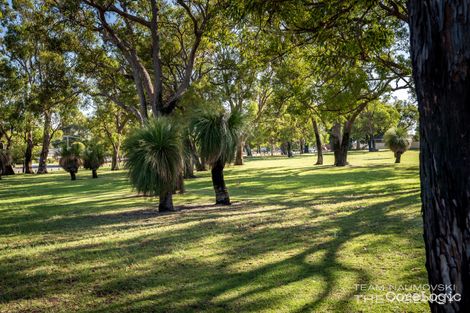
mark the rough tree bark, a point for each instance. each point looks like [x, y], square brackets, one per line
[115, 157]
[398, 156]
[46, 141]
[289, 150]
[239, 154]
[28, 155]
[221, 193]
[248, 150]
[318, 142]
[440, 50]
[166, 202]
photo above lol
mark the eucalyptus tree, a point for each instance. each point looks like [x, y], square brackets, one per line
[160, 43]
[38, 47]
[440, 51]
[112, 124]
[374, 120]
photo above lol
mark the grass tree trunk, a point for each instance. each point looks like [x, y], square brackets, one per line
[28, 155]
[73, 176]
[221, 193]
[440, 50]
[318, 142]
[94, 173]
[46, 141]
[166, 202]
[398, 156]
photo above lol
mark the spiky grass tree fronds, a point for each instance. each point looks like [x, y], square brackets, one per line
[396, 139]
[217, 135]
[154, 159]
[71, 158]
[93, 158]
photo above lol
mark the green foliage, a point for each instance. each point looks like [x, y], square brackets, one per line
[71, 156]
[93, 156]
[154, 156]
[396, 139]
[217, 135]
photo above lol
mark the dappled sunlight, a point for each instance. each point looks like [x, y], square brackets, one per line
[297, 238]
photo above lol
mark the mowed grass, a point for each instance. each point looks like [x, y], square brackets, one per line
[298, 238]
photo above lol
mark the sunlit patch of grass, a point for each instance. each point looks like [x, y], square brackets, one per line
[298, 238]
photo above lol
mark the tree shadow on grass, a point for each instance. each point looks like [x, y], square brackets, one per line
[266, 250]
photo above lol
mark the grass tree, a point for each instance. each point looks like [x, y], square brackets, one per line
[396, 139]
[217, 136]
[154, 160]
[71, 158]
[93, 158]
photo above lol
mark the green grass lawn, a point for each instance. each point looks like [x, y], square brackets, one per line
[298, 238]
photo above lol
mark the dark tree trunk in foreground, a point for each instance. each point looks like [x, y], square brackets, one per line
[166, 202]
[318, 142]
[440, 49]
[9, 170]
[46, 141]
[94, 173]
[73, 176]
[221, 193]
[239, 154]
[28, 155]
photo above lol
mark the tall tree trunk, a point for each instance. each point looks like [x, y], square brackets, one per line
[72, 175]
[318, 142]
[301, 144]
[248, 150]
[166, 202]
[358, 145]
[289, 150]
[440, 50]
[94, 173]
[115, 159]
[180, 183]
[335, 141]
[221, 193]
[46, 141]
[341, 157]
[28, 155]
[239, 154]
[189, 167]
[272, 149]
[198, 162]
